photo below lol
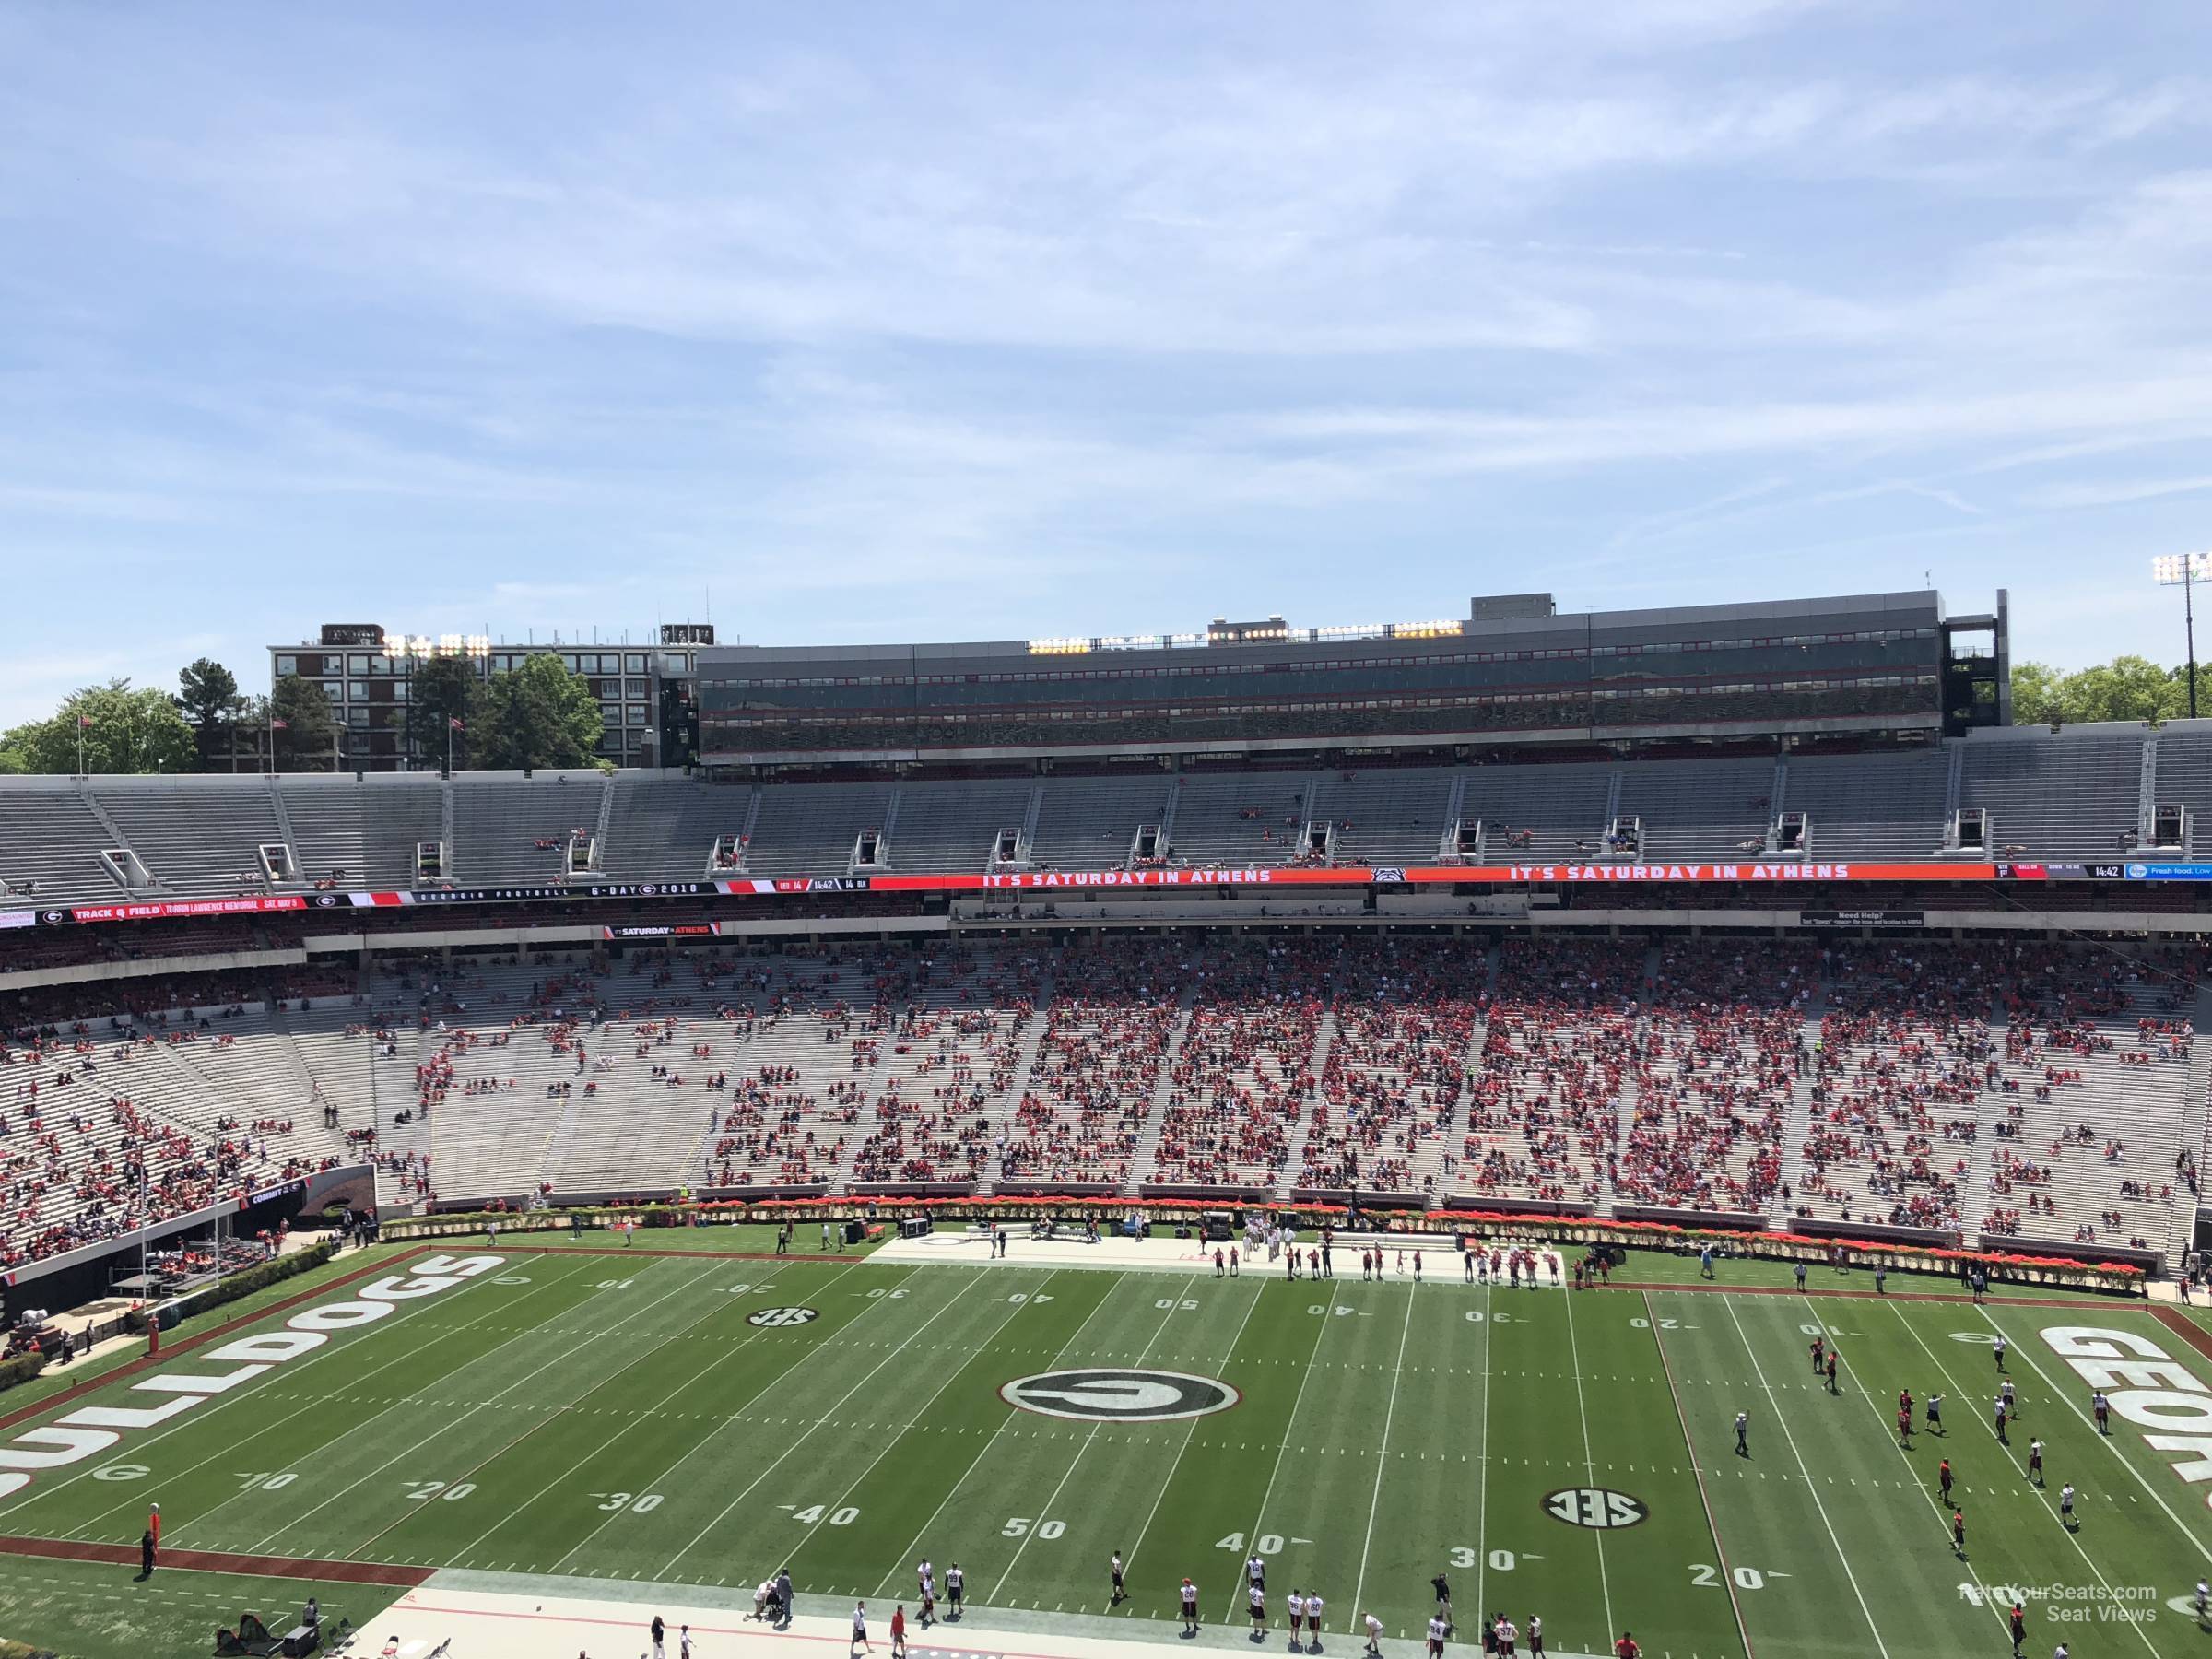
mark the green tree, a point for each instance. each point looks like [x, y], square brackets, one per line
[538, 714]
[208, 698]
[440, 691]
[124, 729]
[303, 731]
[2126, 689]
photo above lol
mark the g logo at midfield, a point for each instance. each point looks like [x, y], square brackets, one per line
[782, 1316]
[1115, 1395]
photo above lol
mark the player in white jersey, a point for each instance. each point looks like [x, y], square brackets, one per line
[1436, 1638]
[1508, 1633]
[1255, 1573]
[2065, 1507]
[1313, 1616]
[1257, 1598]
[1374, 1635]
[1536, 1637]
[956, 1582]
[1113, 1569]
[1190, 1608]
[925, 1587]
[1295, 1604]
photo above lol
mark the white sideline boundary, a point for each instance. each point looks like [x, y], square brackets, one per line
[1115, 1253]
[448, 1620]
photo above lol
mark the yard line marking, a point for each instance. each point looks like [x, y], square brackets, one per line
[834, 1340]
[409, 1450]
[1713, 1526]
[2042, 1497]
[1482, 1455]
[1374, 1504]
[236, 1396]
[1189, 1430]
[1574, 1351]
[2027, 1350]
[1043, 1513]
[1289, 1423]
[1782, 1417]
[1014, 1311]
[976, 1278]
[712, 1362]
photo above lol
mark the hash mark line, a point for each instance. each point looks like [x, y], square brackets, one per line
[1189, 1429]
[1068, 1472]
[1289, 1423]
[1575, 1352]
[2195, 1543]
[807, 1433]
[409, 1450]
[1713, 1526]
[1374, 1504]
[1782, 1417]
[236, 1396]
[2042, 1497]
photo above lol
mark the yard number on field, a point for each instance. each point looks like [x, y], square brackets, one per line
[1018, 1525]
[1501, 1560]
[815, 1513]
[1747, 1577]
[637, 1504]
[261, 1480]
[422, 1491]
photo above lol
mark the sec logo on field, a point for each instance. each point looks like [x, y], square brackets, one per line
[783, 1317]
[1596, 1507]
[1112, 1395]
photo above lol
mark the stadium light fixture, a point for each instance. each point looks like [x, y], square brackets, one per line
[2184, 570]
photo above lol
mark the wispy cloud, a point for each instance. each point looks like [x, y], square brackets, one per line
[456, 319]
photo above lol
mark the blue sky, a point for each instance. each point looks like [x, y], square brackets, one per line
[959, 322]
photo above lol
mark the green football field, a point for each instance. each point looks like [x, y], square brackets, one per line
[694, 1419]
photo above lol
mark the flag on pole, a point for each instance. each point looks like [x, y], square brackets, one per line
[455, 721]
[279, 725]
[83, 721]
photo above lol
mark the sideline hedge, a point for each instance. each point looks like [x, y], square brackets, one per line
[2118, 1277]
[21, 1368]
[232, 1287]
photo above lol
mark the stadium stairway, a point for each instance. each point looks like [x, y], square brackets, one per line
[1156, 1110]
[1976, 1199]
[1799, 1122]
[1325, 1035]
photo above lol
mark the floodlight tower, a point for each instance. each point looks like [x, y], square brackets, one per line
[2184, 570]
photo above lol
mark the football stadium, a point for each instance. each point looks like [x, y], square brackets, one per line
[1671, 1131]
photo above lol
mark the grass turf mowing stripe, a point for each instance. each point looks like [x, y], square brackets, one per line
[1237, 1606]
[413, 1450]
[1182, 1444]
[850, 1486]
[618, 1496]
[812, 1359]
[2050, 1510]
[1782, 1417]
[1374, 1502]
[1581, 1408]
[976, 1278]
[2111, 1442]
[1689, 1451]
[514, 1514]
[974, 1408]
[202, 1427]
